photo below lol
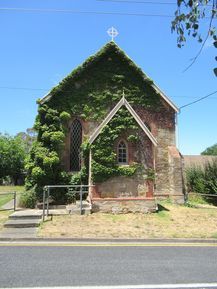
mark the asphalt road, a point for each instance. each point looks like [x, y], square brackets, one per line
[60, 265]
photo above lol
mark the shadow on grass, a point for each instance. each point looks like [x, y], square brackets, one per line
[162, 208]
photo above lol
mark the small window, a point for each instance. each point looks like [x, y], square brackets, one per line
[122, 153]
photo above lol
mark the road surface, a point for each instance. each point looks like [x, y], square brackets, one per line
[71, 264]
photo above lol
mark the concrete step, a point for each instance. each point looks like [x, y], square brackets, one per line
[85, 204]
[57, 207]
[22, 223]
[52, 207]
[78, 212]
[74, 210]
[18, 233]
[24, 217]
[27, 214]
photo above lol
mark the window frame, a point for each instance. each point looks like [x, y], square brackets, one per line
[121, 163]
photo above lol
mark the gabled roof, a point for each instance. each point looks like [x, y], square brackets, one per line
[122, 102]
[110, 46]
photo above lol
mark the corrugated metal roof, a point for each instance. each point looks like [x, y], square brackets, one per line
[197, 160]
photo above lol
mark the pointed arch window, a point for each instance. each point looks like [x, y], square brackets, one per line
[75, 145]
[122, 153]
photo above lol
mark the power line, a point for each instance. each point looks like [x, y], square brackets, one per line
[22, 88]
[69, 11]
[82, 12]
[146, 2]
[188, 96]
[193, 102]
[139, 2]
[48, 89]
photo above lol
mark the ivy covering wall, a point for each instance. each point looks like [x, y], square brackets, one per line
[104, 163]
[89, 93]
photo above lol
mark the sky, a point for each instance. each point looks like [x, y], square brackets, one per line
[39, 48]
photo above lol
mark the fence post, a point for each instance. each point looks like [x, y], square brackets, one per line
[43, 215]
[81, 200]
[15, 199]
[48, 195]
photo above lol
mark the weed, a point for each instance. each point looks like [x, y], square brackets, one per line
[190, 205]
[163, 215]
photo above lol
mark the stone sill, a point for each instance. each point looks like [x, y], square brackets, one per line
[169, 195]
[123, 199]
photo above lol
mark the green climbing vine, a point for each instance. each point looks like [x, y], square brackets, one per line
[91, 89]
[104, 163]
[43, 165]
[89, 93]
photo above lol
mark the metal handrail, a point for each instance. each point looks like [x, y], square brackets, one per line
[47, 189]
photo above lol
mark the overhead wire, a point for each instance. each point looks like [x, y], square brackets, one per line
[145, 2]
[22, 88]
[139, 2]
[173, 96]
[193, 102]
[37, 10]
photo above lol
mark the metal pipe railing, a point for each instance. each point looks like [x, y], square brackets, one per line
[47, 190]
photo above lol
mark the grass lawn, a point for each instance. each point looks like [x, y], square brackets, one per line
[6, 189]
[172, 221]
[4, 199]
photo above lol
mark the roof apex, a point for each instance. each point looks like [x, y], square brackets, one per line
[103, 50]
[111, 45]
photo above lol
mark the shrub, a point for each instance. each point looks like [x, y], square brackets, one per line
[202, 180]
[211, 177]
[71, 196]
[28, 199]
[77, 179]
[195, 180]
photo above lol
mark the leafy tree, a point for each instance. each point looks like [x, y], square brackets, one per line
[12, 156]
[188, 20]
[210, 151]
[28, 138]
[4, 155]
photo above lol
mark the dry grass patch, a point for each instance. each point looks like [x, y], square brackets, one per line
[3, 218]
[172, 222]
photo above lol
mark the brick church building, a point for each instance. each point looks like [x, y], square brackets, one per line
[127, 125]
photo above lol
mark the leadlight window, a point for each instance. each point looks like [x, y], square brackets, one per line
[122, 153]
[75, 145]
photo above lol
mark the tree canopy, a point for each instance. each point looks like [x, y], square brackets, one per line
[189, 18]
[12, 155]
[210, 151]
[28, 138]
[13, 151]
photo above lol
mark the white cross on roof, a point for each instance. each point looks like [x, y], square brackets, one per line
[112, 32]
